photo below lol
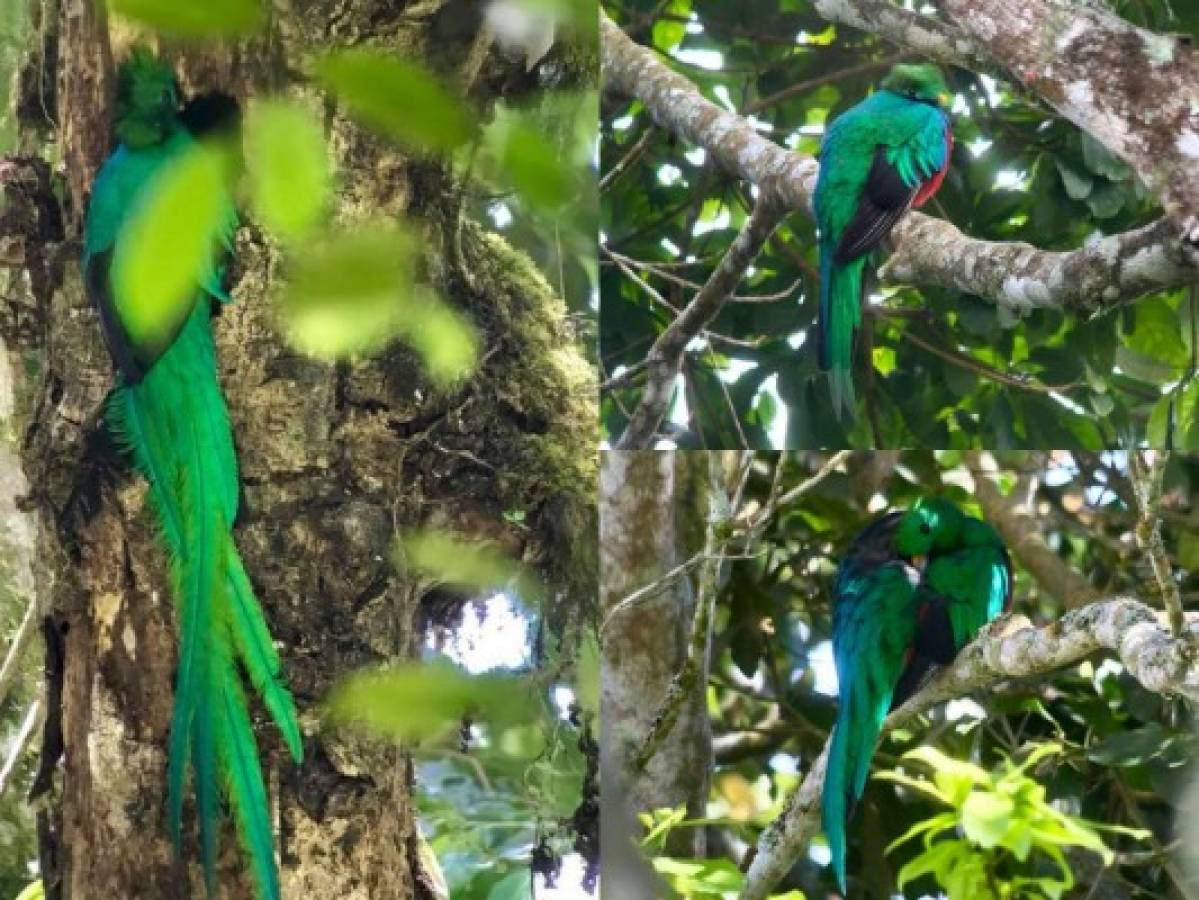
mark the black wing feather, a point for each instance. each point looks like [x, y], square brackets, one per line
[99, 291]
[934, 647]
[884, 198]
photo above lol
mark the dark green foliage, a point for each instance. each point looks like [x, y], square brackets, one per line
[1018, 173]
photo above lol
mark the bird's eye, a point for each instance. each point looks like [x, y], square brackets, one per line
[925, 528]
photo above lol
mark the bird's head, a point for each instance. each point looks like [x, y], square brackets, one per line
[147, 99]
[923, 83]
[932, 523]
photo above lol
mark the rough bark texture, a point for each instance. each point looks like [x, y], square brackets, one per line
[335, 459]
[652, 513]
[1132, 89]
[928, 36]
[1019, 277]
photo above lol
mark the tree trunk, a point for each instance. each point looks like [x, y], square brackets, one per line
[334, 461]
[653, 511]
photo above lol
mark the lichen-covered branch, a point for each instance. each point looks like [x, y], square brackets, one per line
[1131, 89]
[1010, 648]
[785, 837]
[1022, 534]
[931, 37]
[1103, 274]
[677, 105]
[666, 354]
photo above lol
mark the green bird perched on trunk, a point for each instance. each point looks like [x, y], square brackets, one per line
[879, 158]
[894, 624]
[168, 412]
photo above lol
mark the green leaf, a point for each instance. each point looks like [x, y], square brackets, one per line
[349, 294]
[587, 675]
[197, 18]
[1188, 550]
[668, 32]
[168, 246]
[534, 167]
[356, 293]
[700, 876]
[1077, 184]
[472, 564]
[1101, 161]
[516, 885]
[442, 336]
[288, 165]
[427, 702]
[985, 817]
[401, 100]
[1156, 333]
[1131, 748]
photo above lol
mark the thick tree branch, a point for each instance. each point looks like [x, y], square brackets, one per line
[1136, 634]
[677, 105]
[1099, 276]
[1133, 90]
[666, 354]
[1104, 274]
[931, 37]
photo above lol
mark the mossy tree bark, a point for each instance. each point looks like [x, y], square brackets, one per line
[653, 510]
[334, 459]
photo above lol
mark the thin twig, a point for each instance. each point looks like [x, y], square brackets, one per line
[834, 462]
[652, 589]
[665, 356]
[33, 718]
[625, 162]
[16, 650]
[1147, 485]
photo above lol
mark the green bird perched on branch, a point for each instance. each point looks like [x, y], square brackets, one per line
[880, 158]
[895, 623]
[168, 412]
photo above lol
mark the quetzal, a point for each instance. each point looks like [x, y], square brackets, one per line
[894, 623]
[168, 412]
[879, 158]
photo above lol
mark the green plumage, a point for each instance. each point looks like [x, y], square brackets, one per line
[894, 624]
[168, 412]
[878, 159]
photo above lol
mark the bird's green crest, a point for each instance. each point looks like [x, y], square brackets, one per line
[147, 99]
[931, 523]
[918, 82]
